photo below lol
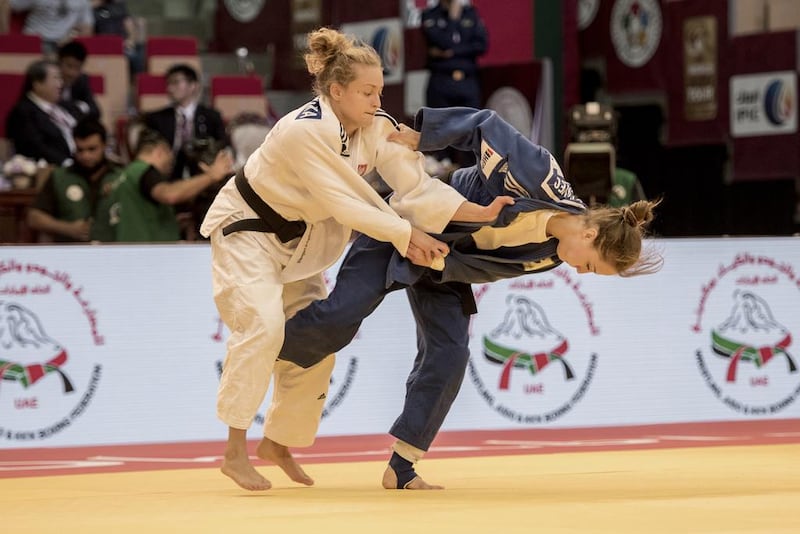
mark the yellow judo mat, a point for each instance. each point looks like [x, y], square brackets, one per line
[731, 490]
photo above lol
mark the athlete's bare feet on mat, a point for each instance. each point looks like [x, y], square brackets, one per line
[416, 483]
[238, 468]
[280, 456]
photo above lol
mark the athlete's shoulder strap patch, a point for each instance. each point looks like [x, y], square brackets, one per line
[381, 113]
[313, 110]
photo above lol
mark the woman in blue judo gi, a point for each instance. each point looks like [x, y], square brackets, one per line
[547, 225]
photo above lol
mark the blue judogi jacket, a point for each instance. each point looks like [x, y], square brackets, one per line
[508, 164]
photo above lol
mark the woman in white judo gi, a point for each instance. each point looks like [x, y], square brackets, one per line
[288, 216]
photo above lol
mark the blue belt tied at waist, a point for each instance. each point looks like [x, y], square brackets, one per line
[269, 220]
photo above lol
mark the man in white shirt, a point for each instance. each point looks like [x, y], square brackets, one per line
[56, 21]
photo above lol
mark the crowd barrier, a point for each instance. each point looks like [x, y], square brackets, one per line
[122, 344]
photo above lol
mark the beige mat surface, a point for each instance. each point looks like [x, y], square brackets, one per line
[732, 490]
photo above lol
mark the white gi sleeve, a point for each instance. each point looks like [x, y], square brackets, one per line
[347, 196]
[427, 202]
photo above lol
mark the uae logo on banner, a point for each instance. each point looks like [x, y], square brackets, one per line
[48, 340]
[746, 323]
[636, 27]
[535, 362]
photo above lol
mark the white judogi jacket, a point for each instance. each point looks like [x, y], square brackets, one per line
[307, 168]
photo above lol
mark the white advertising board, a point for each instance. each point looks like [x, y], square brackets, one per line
[122, 344]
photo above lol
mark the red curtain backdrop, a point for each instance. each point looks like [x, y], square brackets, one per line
[690, 123]
[510, 27]
[525, 77]
[593, 41]
[270, 26]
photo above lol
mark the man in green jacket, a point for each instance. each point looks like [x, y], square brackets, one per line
[73, 204]
[145, 196]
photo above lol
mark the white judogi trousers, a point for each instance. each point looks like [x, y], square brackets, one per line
[254, 304]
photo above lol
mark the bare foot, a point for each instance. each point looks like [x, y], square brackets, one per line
[238, 468]
[280, 456]
[390, 482]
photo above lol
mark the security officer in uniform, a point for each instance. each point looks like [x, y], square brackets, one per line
[455, 37]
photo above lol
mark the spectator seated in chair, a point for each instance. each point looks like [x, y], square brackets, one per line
[37, 125]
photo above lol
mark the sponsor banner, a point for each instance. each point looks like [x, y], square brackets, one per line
[700, 44]
[696, 86]
[763, 104]
[123, 344]
[386, 37]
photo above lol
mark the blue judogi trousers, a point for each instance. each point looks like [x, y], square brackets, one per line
[441, 312]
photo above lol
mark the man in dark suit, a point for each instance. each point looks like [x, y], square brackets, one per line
[186, 120]
[188, 124]
[76, 95]
[37, 125]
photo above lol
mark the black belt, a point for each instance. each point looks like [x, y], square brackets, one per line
[464, 292]
[269, 221]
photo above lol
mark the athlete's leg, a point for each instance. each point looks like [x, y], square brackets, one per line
[326, 326]
[301, 385]
[248, 295]
[294, 414]
[302, 375]
[435, 379]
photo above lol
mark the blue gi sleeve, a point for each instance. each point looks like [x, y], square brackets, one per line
[509, 162]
